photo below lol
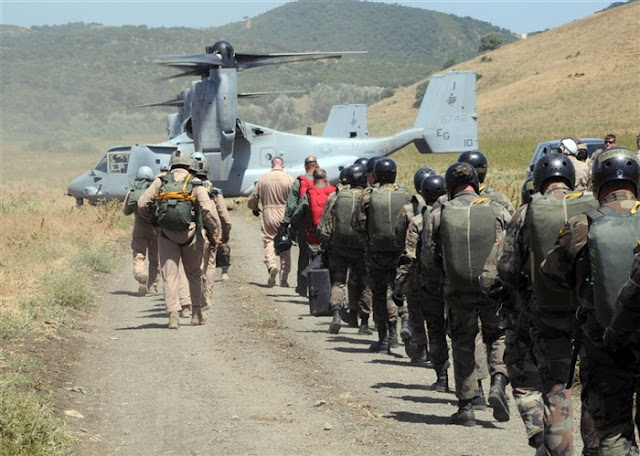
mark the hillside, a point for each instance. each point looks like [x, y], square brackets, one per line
[78, 79]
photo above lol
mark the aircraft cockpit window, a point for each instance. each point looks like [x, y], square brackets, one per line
[118, 162]
[102, 165]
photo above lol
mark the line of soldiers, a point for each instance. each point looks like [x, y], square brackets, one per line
[519, 302]
[182, 228]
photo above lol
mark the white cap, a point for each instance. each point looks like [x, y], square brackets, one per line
[568, 146]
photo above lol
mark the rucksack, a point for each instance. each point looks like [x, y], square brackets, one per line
[468, 234]
[136, 189]
[343, 233]
[384, 207]
[175, 203]
[317, 198]
[611, 239]
[545, 217]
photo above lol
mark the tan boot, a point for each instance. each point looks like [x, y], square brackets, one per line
[225, 273]
[142, 285]
[196, 316]
[174, 320]
[185, 312]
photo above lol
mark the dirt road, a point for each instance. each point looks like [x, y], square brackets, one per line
[261, 377]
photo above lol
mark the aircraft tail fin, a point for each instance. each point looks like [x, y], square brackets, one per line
[347, 121]
[448, 114]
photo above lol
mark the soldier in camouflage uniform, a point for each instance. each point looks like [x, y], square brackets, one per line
[588, 242]
[377, 207]
[569, 147]
[461, 235]
[530, 234]
[346, 250]
[412, 330]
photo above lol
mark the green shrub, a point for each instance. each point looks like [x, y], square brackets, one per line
[66, 290]
[14, 324]
[102, 258]
[28, 427]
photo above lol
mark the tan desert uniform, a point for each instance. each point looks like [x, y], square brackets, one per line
[176, 245]
[210, 251]
[583, 174]
[271, 191]
[144, 244]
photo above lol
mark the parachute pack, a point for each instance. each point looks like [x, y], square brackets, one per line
[136, 189]
[343, 234]
[175, 203]
[384, 207]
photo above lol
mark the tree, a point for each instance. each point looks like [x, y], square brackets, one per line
[490, 42]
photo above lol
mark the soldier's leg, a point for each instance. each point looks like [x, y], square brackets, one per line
[154, 260]
[378, 287]
[525, 383]
[359, 291]
[494, 340]
[590, 440]
[139, 250]
[192, 262]
[417, 346]
[552, 354]
[270, 258]
[438, 350]
[610, 401]
[303, 262]
[170, 261]
[285, 268]
[208, 273]
[338, 267]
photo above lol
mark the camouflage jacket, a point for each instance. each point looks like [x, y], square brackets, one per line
[293, 199]
[498, 197]
[567, 265]
[408, 211]
[409, 259]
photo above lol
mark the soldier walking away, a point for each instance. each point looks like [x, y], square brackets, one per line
[298, 190]
[144, 239]
[479, 161]
[375, 215]
[569, 147]
[462, 233]
[173, 201]
[200, 169]
[592, 257]
[530, 235]
[345, 250]
[407, 282]
[271, 192]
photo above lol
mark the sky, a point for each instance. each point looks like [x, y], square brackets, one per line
[518, 16]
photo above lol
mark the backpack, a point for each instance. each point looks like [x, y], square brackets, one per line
[545, 217]
[136, 189]
[611, 239]
[175, 203]
[384, 207]
[343, 233]
[468, 234]
[305, 184]
[317, 200]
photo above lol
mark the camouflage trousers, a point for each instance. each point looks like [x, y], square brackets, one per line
[524, 376]
[347, 271]
[552, 349]
[610, 390]
[381, 272]
[435, 315]
[415, 306]
[464, 329]
[304, 258]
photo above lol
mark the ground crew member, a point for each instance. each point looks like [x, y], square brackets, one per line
[569, 147]
[298, 190]
[271, 192]
[172, 201]
[210, 252]
[412, 331]
[462, 234]
[346, 250]
[530, 235]
[375, 215]
[144, 239]
[592, 256]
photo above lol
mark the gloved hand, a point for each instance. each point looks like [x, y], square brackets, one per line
[396, 293]
[257, 212]
[498, 294]
[282, 229]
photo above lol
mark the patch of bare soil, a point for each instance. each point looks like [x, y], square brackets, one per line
[262, 376]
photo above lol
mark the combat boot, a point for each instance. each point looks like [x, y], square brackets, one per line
[349, 316]
[364, 325]
[537, 441]
[196, 316]
[383, 340]
[142, 285]
[185, 312]
[334, 327]
[479, 402]
[405, 328]
[419, 354]
[442, 381]
[498, 397]
[174, 320]
[393, 335]
[225, 273]
[465, 415]
[273, 273]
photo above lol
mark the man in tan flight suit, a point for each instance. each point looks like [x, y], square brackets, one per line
[179, 241]
[271, 191]
[569, 147]
[144, 239]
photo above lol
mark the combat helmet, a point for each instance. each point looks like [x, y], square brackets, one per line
[361, 161]
[432, 187]
[202, 169]
[616, 164]
[476, 159]
[568, 146]
[357, 176]
[344, 180]
[144, 172]
[180, 158]
[461, 173]
[281, 243]
[385, 171]
[553, 167]
[420, 175]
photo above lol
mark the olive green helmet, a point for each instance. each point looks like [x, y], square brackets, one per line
[181, 158]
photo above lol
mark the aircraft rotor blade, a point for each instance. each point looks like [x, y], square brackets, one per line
[275, 61]
[191, 65]
[260, 94]
[246, 57]
[176, 102]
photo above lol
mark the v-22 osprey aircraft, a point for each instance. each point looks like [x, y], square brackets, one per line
[238, 152]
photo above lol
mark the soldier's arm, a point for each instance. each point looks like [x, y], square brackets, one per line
[402, 223]
[126, 209]
[359, 217]
[210, 217]
[145, 202]
[225, 220]
[431, 267]
[408, 258]
[325, 226]
[510, 262]
[300, 212]
[254, 197]
[292, 201]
